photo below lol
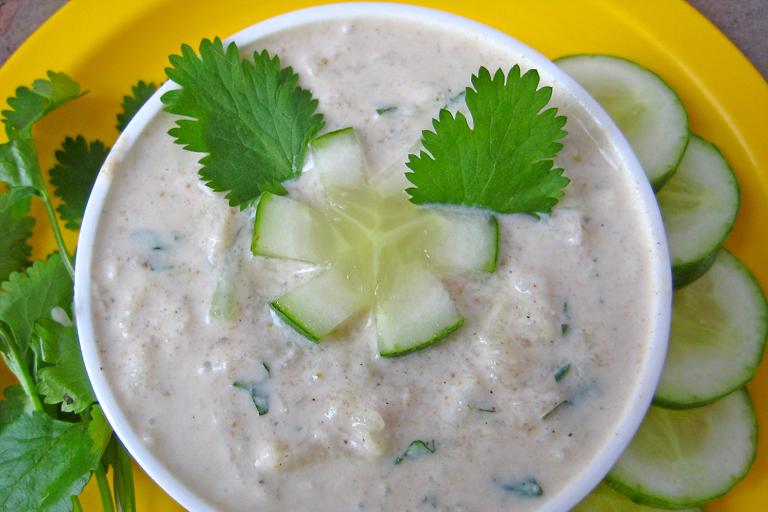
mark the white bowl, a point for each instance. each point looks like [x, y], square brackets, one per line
[659, 267]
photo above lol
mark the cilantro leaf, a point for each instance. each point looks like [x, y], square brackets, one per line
[16, 227]
[251, 118]
[140, 93]
[29, 105]
[65, 381]
[18, 165]
[77, 165]
[44, 462]
[29, 296]
[503, 162]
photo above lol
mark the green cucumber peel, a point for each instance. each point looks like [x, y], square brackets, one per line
[397, 352]
[294, 322]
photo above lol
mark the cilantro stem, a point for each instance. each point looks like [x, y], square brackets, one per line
[17, 366]
[122, 478]
[107, 503]
[31, 168]
[65, 257]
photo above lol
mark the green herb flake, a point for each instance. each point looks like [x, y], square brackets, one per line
[416, 449]
[504, 162]
[77, 164]
[384, 110]
[483, 409]
[556, 408]
[251, 119]
[259, 394]
[266, 367]
[562, 372]
[527, 488]
[565, 329]
[140, 93]
[458, 97]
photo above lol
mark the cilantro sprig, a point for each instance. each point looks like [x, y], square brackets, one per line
[503, 161]
[19, 165]
[250, 117]
[47, 455]
[53, 434]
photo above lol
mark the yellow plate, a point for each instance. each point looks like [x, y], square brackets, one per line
[108, 45]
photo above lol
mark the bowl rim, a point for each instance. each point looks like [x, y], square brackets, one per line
[659, 268]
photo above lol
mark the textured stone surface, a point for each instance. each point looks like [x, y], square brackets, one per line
[745, 22]
[19, 18]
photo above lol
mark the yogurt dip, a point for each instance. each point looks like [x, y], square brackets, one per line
[575, 296]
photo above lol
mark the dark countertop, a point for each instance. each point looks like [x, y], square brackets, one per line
[745, 22]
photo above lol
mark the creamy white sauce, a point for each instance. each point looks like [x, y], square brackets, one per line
[339, 414]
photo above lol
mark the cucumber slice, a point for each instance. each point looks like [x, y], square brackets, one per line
[286, 228]
[318, 307]
[719, 329]
[685, 458]
[465, 242]
[605, 499]
[646, 109]
[699, 206]
[339, 159]
[413, 311]
[224, 303]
